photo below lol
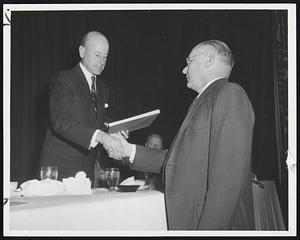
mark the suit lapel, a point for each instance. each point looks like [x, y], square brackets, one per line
[198, 102]
[192, 109]
[84, 92]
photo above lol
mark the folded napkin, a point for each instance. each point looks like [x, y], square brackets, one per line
[45, 187]
[131, 181]
[78, 185]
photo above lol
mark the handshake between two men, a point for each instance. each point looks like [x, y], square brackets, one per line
[115, 144]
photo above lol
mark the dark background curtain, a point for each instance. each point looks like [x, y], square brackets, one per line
[280, 49]
[143, 72]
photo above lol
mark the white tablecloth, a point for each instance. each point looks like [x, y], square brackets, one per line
[267, 210]
[103, 210]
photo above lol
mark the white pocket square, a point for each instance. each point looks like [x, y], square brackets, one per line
[105, 105]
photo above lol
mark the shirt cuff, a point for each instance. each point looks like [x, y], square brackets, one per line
[93, 141]
[132, 155]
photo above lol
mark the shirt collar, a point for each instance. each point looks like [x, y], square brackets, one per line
[206, 86]
[87, 74]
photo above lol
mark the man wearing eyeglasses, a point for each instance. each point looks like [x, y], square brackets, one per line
[78, 101]
[207, 169]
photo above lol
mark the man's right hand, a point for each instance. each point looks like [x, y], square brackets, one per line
[112, 145]
[127, 147]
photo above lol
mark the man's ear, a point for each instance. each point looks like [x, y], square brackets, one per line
[210, 59]
[81, 51]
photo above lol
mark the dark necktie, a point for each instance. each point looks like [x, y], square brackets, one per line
[94, 93]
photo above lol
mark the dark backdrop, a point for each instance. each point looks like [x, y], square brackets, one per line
[143, 71]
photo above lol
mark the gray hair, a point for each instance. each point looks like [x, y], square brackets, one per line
[222, 50]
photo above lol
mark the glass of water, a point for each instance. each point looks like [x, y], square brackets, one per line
[112, 176]
[49, 172]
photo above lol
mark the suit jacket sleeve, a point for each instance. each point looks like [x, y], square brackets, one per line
[229, 158]
[62, 94]
[148, 160]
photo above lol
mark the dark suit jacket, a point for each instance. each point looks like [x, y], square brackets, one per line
[73, 123]
[208, 167]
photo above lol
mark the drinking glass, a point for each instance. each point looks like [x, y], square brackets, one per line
[112, 176]
[147, 178]
[13, 186]
[50, 172]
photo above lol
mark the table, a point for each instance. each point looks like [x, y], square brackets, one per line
[103, 210]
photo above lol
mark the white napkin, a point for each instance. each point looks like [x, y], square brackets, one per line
[131, 181]
[78, 185]
[42, 188]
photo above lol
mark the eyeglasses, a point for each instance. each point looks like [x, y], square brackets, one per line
[190, 59]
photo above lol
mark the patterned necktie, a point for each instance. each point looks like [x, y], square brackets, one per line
[94, 93]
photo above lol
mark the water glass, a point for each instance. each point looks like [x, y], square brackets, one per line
[13, 186]
[112, 176]
[49, 172]
[147, 178]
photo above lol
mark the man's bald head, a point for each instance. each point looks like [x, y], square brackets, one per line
[92, 35]
[154, 141]
[220, 48]
[94, 51]
[207, 61]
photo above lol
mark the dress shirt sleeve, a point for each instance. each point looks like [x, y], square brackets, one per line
[93, 141]
[132, 155]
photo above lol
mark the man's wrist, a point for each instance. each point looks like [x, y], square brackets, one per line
[94, 141]
[101, 136]
[132, 152]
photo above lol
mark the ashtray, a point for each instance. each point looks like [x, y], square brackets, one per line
[128, 188]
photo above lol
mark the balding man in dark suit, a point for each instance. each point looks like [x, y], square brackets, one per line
[78, 101]
[207, 170]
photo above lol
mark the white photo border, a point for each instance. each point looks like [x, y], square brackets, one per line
[292, 110]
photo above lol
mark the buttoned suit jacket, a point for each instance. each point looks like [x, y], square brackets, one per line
[207, 170]
[73, 123]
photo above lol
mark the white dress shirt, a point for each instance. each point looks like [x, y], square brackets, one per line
[88, 77]
[206, 86]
